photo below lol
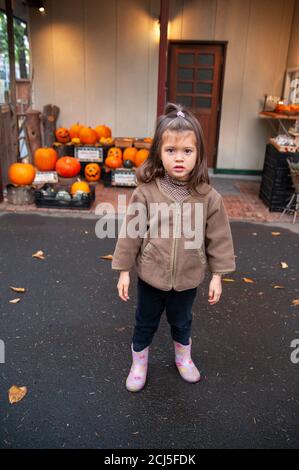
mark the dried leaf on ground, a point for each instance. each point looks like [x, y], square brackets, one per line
[284, 265]
[247, 279]
[16, 394]
[18, 289]
[275, 234]
[39, 254]
[109, 257]
[228, 279]
[295, 302]
[278, 287]
[14, 301]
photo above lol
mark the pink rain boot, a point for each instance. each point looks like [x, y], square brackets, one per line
[137, 376]
[184, 363]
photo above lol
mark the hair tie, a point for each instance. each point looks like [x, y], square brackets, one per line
[180, 113]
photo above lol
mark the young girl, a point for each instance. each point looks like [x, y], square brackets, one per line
[173, 178]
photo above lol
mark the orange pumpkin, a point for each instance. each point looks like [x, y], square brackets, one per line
[80, 186]
[130, 154]
[75, 130]
[45, 159]
[88, 136]
[62, 135]
[21, 174]
[68, 167]
[113, 162]
[103, 131]
[141, 156]
[115, 152]
[92, 172]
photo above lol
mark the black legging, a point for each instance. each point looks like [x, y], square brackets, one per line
[151, 303]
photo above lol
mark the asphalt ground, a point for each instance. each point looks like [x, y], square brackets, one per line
[68, 341]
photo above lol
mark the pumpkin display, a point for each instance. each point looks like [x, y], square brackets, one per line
[45, 159]
[68, 167]
[88, 136]
[80, 186]
[21, 174]
[130, 154]
[103, 131]
[62, 135]
[128, 163]
[75, 130]
[92, 172]
[141, 156]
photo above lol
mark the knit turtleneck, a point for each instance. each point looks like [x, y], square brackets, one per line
[174, 188]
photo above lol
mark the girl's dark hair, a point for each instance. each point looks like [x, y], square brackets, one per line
[153, 168]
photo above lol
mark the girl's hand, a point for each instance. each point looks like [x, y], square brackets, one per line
[123, 285]
[215, 289]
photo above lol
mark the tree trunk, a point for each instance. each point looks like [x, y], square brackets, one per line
[49, 120]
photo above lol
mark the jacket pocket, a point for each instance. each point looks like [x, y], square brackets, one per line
[146, 250]
[202, 256]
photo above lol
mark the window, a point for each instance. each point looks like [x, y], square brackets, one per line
[21, 52]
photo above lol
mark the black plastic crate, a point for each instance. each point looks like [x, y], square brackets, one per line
[50, 202]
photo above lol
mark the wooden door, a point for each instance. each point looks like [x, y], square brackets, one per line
[195, 73]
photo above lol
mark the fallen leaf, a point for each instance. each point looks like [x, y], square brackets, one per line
[284, 265]
[107, 257]
[278, 287]
[18, 289]
[39, 254]
[14, 301]
[275, 234]
[16, 394]
[228, 279]
[295, 302]
[247, 279]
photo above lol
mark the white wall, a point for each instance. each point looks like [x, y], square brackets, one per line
[97, 61]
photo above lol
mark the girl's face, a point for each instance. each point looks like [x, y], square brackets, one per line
[179, 153]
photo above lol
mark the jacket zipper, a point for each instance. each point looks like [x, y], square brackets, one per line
[174, 249]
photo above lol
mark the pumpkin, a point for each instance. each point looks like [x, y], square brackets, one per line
[130, 154]
[115, 152]
[141, 156]
[128, 163]
[45, 159]
[21, 174]
[62, 135]
[76, 140]
[106, 140]
[148, 139]
[80, 186]
[113, 162]
[75, 130]
[88, 136]
[92, 172]
[68, 167]
[103, 131]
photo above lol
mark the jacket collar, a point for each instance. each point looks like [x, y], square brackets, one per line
[203, 189]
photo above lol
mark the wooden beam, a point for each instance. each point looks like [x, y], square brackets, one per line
[162, 71]
[12, 75]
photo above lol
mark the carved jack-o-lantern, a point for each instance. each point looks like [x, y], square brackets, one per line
[115, 152]
[63, 135]
[92, 172]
